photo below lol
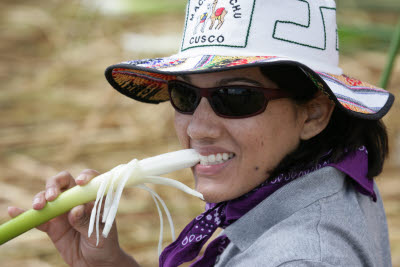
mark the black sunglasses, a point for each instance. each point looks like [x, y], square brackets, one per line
[232, 101]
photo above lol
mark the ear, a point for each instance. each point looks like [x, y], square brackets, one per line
[318, 113]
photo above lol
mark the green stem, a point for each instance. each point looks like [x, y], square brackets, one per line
[394, 47]
[32, 218]
[78, 195]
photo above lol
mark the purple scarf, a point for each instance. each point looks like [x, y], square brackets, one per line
[189, 243]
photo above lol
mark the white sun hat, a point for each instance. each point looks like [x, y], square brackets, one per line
[222, 35]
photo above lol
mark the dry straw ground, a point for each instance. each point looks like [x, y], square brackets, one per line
[57, 112]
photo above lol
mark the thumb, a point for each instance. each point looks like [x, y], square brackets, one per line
[79, 218]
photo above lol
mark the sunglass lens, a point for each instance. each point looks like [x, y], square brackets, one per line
[237, 102]
[183, 98]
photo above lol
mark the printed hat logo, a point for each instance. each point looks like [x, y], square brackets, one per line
[213, 13]
[218, 14]
[210, 23]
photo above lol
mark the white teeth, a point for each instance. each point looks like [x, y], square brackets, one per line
[211, 158]
[214, 159]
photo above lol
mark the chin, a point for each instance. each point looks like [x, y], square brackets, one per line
[215, 191]
[213, 196]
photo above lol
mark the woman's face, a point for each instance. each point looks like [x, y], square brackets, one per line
[241, 153]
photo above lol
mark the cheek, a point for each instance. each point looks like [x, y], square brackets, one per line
[181, 123]
[268, 140]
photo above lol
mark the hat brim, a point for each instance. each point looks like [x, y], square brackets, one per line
[147, 81]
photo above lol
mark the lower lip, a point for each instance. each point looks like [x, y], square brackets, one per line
[209, 170]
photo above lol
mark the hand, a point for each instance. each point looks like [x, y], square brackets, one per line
[69, 231]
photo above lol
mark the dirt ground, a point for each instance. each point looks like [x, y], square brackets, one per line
[57, 112]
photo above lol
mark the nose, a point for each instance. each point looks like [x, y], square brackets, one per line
[204, 124]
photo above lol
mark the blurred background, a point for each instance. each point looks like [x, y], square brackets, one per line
[57, 112]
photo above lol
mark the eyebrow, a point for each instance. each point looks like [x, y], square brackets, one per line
[228, 81]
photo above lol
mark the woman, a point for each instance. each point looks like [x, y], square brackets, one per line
[289, 145]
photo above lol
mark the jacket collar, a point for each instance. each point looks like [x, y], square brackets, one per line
[283, 203]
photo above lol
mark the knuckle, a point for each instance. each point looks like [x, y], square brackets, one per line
[63, 174]
[55, 180]
[51, 182]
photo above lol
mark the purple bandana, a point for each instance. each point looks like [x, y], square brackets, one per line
[189, 243]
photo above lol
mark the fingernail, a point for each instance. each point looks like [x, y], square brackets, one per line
[50, 193]
[36, 201]
[81, 177]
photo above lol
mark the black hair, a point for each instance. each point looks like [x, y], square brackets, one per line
[343, 134]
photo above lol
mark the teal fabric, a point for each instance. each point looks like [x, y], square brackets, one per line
[316, 220]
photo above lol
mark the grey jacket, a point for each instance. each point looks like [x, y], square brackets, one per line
[316, 220]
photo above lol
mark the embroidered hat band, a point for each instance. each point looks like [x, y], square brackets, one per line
[222, 35]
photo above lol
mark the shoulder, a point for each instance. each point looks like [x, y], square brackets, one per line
[295, 237]
[342, 228]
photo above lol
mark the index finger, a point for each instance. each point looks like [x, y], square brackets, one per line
[57, 184]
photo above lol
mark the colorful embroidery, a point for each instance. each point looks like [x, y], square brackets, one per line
[354, 107]
[152, 87]
[159, 63]
[352, 83]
